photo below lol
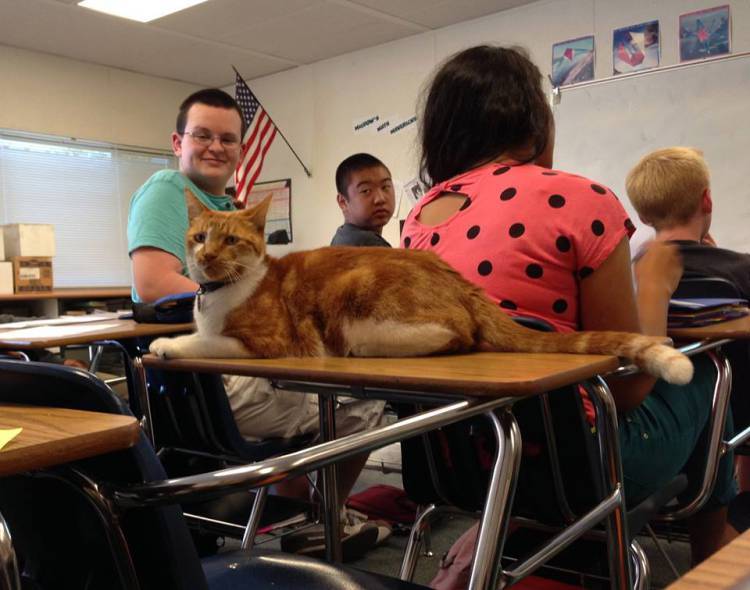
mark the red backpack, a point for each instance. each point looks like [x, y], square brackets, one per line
[384, 502]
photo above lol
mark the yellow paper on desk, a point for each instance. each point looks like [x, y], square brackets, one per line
[7, 435]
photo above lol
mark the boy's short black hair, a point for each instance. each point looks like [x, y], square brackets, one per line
[353, 164]
[213, 97]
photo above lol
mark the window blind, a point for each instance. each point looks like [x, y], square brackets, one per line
[84, 191]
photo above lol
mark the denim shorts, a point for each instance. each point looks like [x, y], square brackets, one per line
[667, 434]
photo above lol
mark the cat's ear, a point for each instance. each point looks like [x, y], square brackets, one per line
[257, 214]
[194, 205]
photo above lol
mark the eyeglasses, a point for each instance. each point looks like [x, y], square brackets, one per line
[206, 138]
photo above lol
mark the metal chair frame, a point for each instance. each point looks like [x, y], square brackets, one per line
[223, 453]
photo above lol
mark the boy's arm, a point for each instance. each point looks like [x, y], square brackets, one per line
[157, 273]
[657, 272]
[156, 239]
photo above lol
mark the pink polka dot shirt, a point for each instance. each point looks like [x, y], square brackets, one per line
[526, 234]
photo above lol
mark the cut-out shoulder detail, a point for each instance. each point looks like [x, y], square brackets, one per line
[442, 208]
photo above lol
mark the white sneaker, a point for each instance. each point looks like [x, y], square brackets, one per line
[354, 518]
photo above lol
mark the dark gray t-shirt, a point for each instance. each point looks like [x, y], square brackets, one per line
[716, 262]
[352, 235]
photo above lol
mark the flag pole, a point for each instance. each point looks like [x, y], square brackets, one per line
[309, 174]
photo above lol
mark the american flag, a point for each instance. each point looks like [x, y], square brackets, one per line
[259, 136]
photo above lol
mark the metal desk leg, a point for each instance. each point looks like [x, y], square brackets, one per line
[327, 415]
[493, 527]
[251, 529]
[716, 446]
[608, 441]
[9, 579]
[141, 389]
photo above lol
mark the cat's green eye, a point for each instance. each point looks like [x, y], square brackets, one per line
[231, 240]
[199, 237]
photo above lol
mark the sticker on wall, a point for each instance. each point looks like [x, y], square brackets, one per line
[635, 48]
[366, 124]
[572, 61]
[705, 33]
[403, 125]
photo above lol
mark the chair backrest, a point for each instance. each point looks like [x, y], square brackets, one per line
[60, 540]
[453, 464]
[191, 411]
[702, 286]
[738, 352]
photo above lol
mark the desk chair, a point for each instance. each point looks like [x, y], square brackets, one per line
[449, 468]
[82, 526]
[692, 286]
[732, 361]
[194, 430]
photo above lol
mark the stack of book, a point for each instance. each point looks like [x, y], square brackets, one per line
[692, 313]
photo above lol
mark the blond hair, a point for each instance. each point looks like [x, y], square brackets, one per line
[666, 186]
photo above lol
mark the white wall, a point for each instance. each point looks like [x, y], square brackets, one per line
[47, 94]
[315, 106]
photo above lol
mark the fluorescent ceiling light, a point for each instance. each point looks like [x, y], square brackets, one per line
[140, 10]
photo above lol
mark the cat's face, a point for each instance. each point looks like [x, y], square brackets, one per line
[224, 246]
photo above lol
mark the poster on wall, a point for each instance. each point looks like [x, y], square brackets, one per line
[573, 61]
[414, 189]
[279, 218]
[705, 33]
[635, 48]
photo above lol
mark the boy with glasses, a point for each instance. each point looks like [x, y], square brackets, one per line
[207, 143]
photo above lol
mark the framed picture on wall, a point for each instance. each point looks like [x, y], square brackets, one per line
[705, 33]
[635, 48]
[279, 219]
[573, 61]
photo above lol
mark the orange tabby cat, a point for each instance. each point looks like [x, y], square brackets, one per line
[357, 302]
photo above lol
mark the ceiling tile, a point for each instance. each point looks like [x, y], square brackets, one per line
[199, 44]
[90, 36]
[440, 13]
[210, 64]
[321, 32]
[219, 19]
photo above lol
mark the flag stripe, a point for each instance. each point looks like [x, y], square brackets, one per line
[254, 148]
[250, 162]
[252, 132]
[252, 157]
[257, 141]
[263, 157]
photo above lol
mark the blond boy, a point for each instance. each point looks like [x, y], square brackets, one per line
[670, 190]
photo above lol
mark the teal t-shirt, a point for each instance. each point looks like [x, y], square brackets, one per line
[158, 214]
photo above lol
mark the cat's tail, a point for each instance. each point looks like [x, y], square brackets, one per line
[650, 353]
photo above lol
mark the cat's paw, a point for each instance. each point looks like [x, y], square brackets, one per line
[166, 348]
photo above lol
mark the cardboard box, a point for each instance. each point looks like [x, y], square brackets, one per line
[6, 278]
[32, 273]
[2, 247]
[29, 239]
